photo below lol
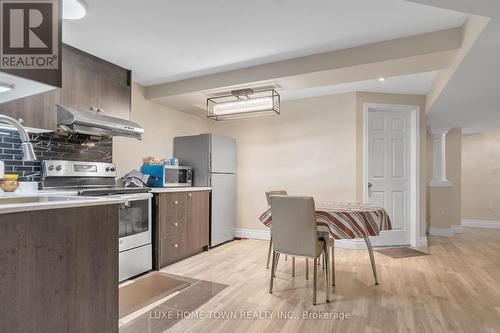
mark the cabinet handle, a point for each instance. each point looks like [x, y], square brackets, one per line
[176, 202]
[190, 195]
[176, 246]
[176, 224]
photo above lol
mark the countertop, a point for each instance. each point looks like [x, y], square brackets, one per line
[69, 199]
[179, 189]
[51, 200]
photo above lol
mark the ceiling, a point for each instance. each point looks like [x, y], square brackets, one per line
[413, 84]
[165, 41]
[183, 50]
[471, 98]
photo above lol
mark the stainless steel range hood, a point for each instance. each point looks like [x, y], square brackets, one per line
[91, 123]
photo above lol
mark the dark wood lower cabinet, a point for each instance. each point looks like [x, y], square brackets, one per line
[181, 225]
[59, 270]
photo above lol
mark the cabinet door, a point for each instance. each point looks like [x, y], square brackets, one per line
[36, 111]
[79, 83]
[113, 98]
[172, 249]
[198, 219]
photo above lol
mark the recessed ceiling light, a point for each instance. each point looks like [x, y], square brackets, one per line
[381, 79]
[74, 9]
[6, 87]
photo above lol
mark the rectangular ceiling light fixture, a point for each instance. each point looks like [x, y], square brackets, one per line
[244, 103]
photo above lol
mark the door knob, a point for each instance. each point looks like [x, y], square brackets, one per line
[176, 224]
[175, 245]
[176, 202]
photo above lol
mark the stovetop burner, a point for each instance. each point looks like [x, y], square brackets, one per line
[98, 192]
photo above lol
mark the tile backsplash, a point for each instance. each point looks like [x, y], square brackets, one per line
[50, 146]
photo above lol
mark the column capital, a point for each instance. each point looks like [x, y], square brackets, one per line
[439, 131]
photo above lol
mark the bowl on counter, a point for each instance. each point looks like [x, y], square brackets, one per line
[9, 183]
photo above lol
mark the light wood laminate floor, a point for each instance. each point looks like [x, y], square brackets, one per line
[455, 289]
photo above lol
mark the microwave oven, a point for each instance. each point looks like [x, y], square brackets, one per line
[168, 175]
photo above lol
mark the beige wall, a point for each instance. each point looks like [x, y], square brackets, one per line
[161, 125]
[310, 149]
[481, 176]
[397, 99]
[444, 202]
[313, 148]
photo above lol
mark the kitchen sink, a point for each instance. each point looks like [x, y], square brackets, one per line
[37, 199]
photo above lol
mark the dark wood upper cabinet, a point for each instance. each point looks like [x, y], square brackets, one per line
[88, 84]
[36, 111]
[79, 82]
[113, 98]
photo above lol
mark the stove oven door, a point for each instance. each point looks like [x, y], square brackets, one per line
[135, 222]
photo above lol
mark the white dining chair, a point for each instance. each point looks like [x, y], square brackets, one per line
[294, 233]
[268, 195]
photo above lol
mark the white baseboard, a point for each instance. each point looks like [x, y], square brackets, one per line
[441, 231]
[252, 233]
[457, 228]
[490, 224]
[354, 244]
[422, 242]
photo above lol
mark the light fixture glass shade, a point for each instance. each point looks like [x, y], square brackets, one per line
[248, 105]
[74, 9]
[5, 87]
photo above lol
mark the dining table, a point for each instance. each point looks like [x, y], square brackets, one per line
[345, 220]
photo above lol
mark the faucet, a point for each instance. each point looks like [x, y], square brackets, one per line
[26, 146]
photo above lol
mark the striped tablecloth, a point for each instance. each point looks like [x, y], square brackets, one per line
[345, 220]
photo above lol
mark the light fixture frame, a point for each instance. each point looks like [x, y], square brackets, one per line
[243, 94]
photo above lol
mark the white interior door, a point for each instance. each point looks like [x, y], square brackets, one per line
[389, 172]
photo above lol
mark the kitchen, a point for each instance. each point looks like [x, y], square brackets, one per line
[66, 168]
[289, 174]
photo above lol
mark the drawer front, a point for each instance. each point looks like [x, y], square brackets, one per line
[174, 202]
[173, 224]
[134, 262]
[172, 248]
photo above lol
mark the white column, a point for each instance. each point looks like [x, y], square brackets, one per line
[439, 159]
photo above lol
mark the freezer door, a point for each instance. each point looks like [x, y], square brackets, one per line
[194, 151]
[223, 208]
[223, 154]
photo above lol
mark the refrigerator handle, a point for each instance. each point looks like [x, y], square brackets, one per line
[210, 162]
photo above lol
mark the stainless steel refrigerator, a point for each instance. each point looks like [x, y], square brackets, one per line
[213, 158]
